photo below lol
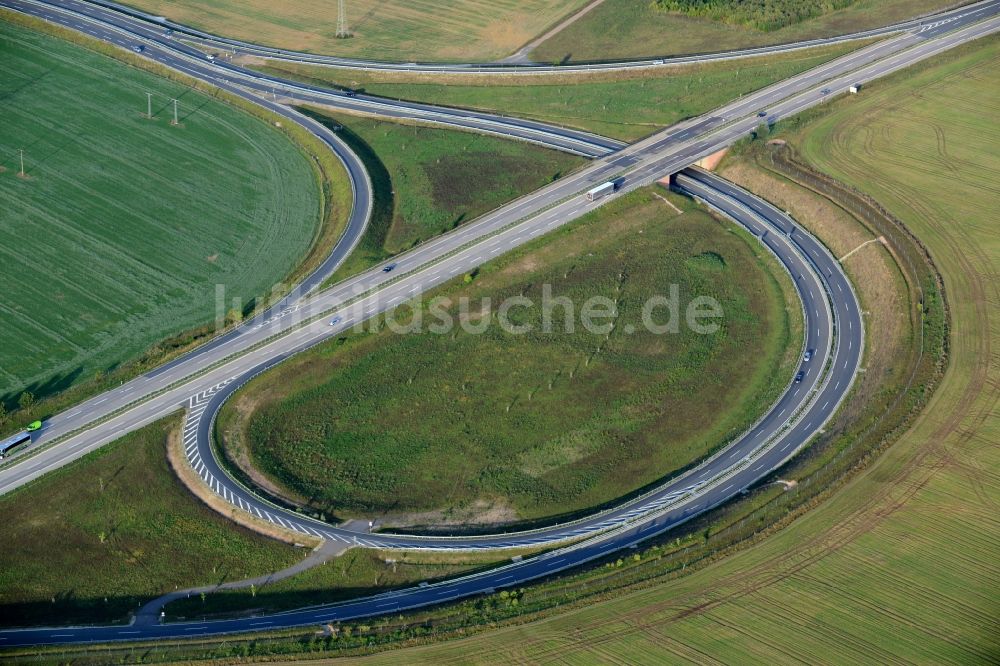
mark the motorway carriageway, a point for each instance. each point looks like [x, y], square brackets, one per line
[129, 33]
[647, 160]
[668, 151]
[109, 11]
[769, 444]
[461, 250]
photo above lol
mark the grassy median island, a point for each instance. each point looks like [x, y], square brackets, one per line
[636, 29]
[122, 226]
[497, 427]
[624, 105]
[90, 541]
[899, 564]
[429, 180]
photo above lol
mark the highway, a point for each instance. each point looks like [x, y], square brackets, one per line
[107, 10]
[130, 33]
[203, 379]
[769, 444]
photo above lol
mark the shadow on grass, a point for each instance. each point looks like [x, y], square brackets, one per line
[42, 389]
[371, 248]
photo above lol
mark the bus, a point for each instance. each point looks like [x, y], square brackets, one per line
[8, 445]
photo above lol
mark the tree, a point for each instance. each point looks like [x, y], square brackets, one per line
[4, 416]
[26, 401]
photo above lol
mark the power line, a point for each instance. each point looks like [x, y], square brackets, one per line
[342, 31]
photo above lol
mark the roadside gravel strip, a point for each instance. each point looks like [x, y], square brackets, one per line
[208, 41]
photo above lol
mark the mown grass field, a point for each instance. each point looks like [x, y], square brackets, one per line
[457, 30]
[89, 542]
[624, 106]
[124, 226]
[429, 180]
[636, 28]
[464, 427]
[900, 565]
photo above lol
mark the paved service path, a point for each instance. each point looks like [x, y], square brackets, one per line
[522, 54]
[326, 551]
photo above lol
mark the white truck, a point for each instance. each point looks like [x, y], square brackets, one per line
[602, 190]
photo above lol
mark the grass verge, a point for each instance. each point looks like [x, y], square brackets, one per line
[92, 541]
[628, 29]
[623, 105]
[358, 572]
[427, 181]
[894, 562]
[495, 405]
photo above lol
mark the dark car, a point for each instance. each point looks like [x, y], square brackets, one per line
[335, 321]
[139, 48]
[825, 91]
[798, 377]
[762, 114]
[388, 268]
[351, 93]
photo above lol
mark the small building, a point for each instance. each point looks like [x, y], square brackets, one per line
[855, 87]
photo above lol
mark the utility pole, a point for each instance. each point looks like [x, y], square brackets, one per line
[21, 151]
[175, 113]
[149, 105]
[342, 21]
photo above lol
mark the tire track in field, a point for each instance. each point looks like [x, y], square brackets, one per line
[913, 476]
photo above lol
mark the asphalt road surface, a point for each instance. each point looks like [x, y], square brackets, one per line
[152, 396]
[129, 33]
[765, 447]
[108, 10]
[834, 330]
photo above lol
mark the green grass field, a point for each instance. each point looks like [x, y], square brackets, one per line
[89, 542]
[637, 28]
[472, 428]
[900, 564]
[429, 180]
[457, 30]
[124, 226]
[623, 106]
